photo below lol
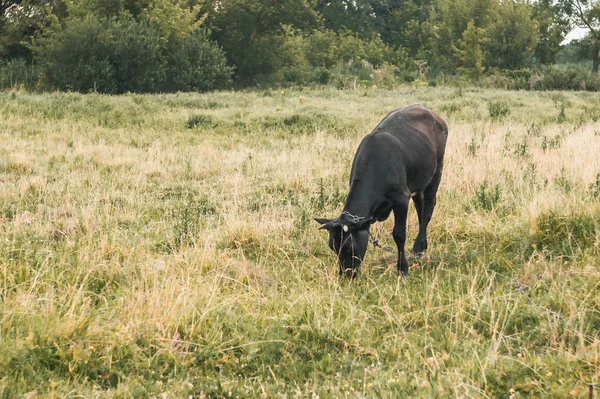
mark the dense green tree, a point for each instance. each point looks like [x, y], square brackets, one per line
[107, 8]
[512, 36]
[170, 17]
[119, 46]
[358, 16]
[414, 27]
[586, 14]
[19, 23]
[455, 15]
[6, 4]
[452, 20]
[284, 40]
[251, 31]
[404, 27]
[587, 49]
[552, 29]
[470, 50]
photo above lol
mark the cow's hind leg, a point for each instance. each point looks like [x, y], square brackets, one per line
[418, 202]
[427, 205]
[399, 233]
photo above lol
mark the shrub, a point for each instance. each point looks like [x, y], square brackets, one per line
[104, 55]
[565, 77]
[319, 57]
[194, 63]
[518, 79]
[123, 55]
[498, 108]
[320, 75]
[266, 58]
[592, 82]
[487, 197]
[18, 72]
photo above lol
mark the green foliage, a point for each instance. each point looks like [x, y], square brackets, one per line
[566, 77]
[552, 27]
[512, 36]
[204, 44]
[194, 63]
[585, 14]
[177, 18]
[563, 182]
[252, 33]
[187, 216]
[522, 149]
[488, 197]
[18, 72]
[320, 57]
[20, 21]
[498, 109]
[122, 55]
[199, 120]
[470, 51]
[107, 8]
[104, 55]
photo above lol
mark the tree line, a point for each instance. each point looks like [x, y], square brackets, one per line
[118, 46]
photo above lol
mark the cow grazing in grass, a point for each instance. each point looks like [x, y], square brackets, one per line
[401, 158]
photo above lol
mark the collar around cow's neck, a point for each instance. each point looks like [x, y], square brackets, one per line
[353, 218]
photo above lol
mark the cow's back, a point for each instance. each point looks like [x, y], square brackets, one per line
[407, 147]
[414, 123]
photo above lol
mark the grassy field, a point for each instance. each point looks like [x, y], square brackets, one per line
[163, 245]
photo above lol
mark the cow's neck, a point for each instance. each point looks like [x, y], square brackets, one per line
[364, 199]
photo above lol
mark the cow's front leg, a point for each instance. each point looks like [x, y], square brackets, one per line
[399, 233]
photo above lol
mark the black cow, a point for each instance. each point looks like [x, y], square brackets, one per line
[401, 158]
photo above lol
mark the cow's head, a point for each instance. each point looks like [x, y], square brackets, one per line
[348, 238]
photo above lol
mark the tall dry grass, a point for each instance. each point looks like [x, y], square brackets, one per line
[164, 246]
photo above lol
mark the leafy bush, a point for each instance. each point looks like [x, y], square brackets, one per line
[498, 108]
[320, 57]
[487, 197]
[105, 55]
[123, 55]
[592, 82]
[194, 63]
[566, 77]
[518, 79]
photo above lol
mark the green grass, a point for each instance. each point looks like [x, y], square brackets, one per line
[163, 245]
